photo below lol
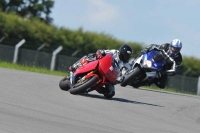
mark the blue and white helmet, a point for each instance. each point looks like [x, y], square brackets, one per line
[175, 47]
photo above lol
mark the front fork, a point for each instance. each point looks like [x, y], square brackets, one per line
[71, 77]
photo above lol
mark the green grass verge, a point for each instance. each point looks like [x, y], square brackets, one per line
[169, 90]
[31, 68]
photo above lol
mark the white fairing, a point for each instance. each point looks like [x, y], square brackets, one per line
[138, 60]
[149, 74]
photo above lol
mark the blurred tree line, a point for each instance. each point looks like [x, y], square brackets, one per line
[36, 31]
[29, 8]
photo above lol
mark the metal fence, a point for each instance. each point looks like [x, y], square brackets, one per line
[43, 59]
[183, 83]
[36, 58]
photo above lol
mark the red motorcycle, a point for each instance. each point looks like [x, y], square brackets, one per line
[92, 76]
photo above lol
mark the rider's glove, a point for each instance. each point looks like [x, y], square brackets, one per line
[72, 68]
[100, 54]
[155, 48]
[169, 60]
[144, 51]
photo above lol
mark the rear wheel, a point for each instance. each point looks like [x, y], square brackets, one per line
[128, 78]
[109, 95]
[65, 84]
[82, 87]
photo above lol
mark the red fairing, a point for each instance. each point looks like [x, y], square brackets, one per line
[106, 69]
[101, 72]
[87, 68]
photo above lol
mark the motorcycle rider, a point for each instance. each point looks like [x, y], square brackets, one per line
[173, 58]
[121, 56]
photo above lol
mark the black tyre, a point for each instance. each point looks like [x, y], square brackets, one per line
[109, 95]
[81, 88]
[160, 85]
[135, 86]
[128, 78]
[161, 82]
[65, 84]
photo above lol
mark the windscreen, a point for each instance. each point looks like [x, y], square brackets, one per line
[158, 56]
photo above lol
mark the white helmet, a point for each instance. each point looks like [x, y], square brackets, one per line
[175, 47]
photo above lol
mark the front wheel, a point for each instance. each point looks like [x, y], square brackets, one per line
[65, 84]
[128, 78]
[82, 87]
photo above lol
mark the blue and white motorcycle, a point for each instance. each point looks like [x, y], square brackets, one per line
[145, 69]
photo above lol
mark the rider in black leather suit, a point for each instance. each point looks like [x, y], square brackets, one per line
[172, 50]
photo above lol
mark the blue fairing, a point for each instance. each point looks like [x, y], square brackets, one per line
[156, 58]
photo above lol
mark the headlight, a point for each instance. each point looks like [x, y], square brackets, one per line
[147, 63]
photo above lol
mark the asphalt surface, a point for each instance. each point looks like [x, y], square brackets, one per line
[33, 103]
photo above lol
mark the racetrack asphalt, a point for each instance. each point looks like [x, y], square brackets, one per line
[33, 103]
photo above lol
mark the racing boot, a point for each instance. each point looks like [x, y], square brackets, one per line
[109, 91]
[119, 80]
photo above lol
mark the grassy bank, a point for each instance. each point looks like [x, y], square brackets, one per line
[169, 90]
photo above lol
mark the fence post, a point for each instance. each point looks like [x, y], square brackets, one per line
[17, 49]
[53, 60]
[198, 86]
[73, 54]
[38, 49]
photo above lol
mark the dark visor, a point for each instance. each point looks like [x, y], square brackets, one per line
[175, 50]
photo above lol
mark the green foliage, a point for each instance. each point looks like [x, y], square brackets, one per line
[29, 8]
[36, 33]
[190, 67]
